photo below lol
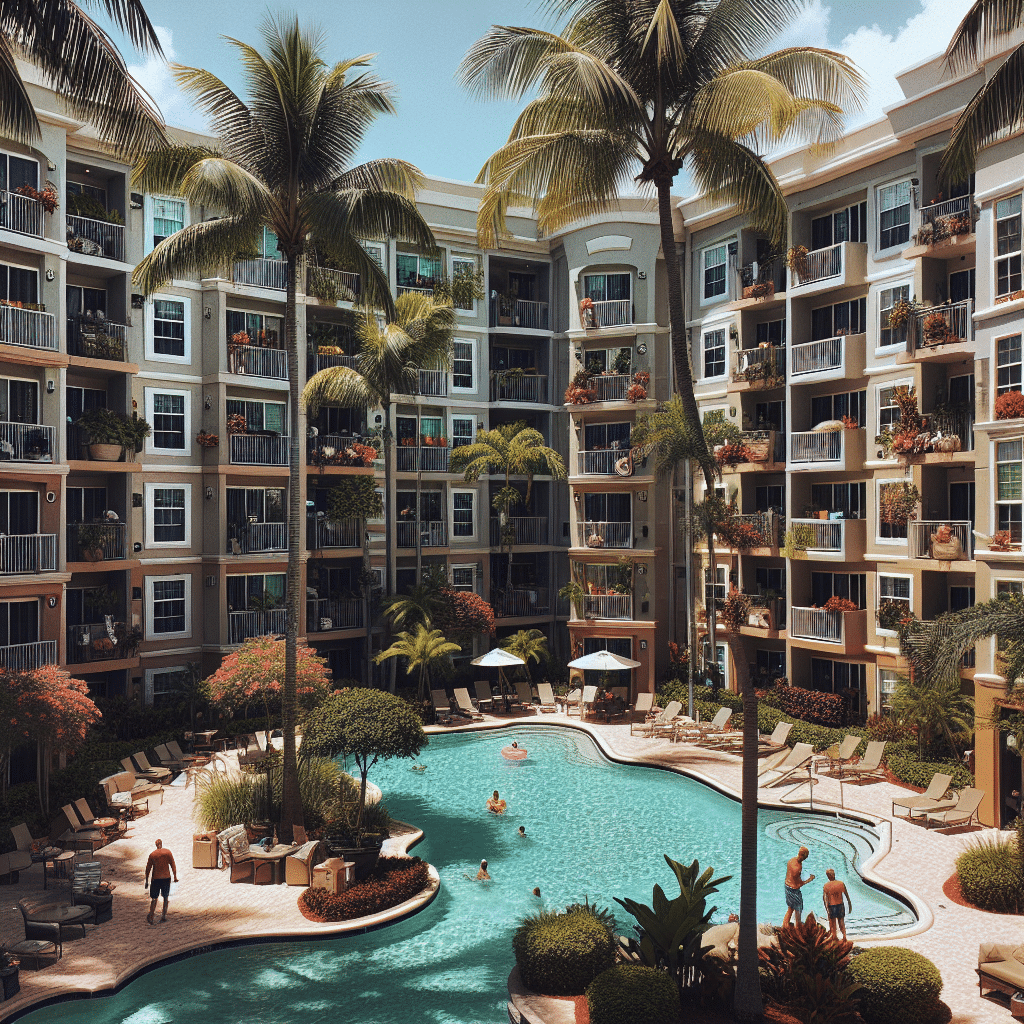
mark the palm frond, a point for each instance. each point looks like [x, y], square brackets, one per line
[224, 185]
[383, 175]
[17, 115]
[130, 16]
[734, 29]
[664, 36]
[984, 24]
[508, 62]
[162, 170]
[337, 385]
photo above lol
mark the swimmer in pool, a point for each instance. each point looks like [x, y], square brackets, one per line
[418, 768]
[522, 831]
[481, 875]
[496, 805]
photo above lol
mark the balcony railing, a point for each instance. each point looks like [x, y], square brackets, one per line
[520, 602]
[337, 533]
[819, 534]
[429, 458]
[96, 338]
[254, 538]
[262, 273]
[28, 553]
[608, 606]
[766, 363]
[613, 313]
[25, 657]
[817, 624]
[950, 217]
[96, 542]
[601, 463]
[821, 265]
[26, 442]
[528, 387]
[817, 356]
[256, 361]
[959, 422]
[315, 362]
[921, 541]
[93, 642]
[818, 446]
[521, 530]
[332, 285]
[243, 625]
[945, 325]
[29, 328]
[259, 450]
[763, 528]
[95, 237]
[406, 289]
[611, 387]
[433, 534]
[331, 449]
[433, 383]
[762, 280]
[22, 214]
[604, 535]
[334, 613]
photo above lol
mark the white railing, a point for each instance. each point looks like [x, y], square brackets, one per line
[761, 363]
[940, 214]
[26, 442]
[317, 362]
[817, 356]
[613, 313]
[97, 237]
[259, 450]
[920, 538]
[258, 362]
[95, 337]
[521, 602]
[24, 657]
[29, 328]
[601, 463]
[434, 459]
[428, 534]
[533, 315]
[817, 624]
[528, 387]
[958, 318]
[333, 613]
[604, 535]
[331, 449]
[339, 533]
[611, 387]
[28, 552]
[243, 625]
[258, 537]
[827, 534]
[405, 289]
[332, 285]
[433, 383]
[821, 265]
[608, 606]
[818, 446]
[262, 273]
[20, 213]
[523, 530]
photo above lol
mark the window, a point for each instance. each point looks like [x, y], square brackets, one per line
[889, 531]
[167, 339]
[771, 665]
[617, 361]
[714, 354]
[87, 301]
[269, 248]
[86, 504]
[846, 225]
[167, 515]
[607, 508]
[262, 329]
[838, 677]
[888, 410]
[834, 407]
[168, 413]
[1008, 487]
[1007, 246]
[852, 586]
[773, 332]
[887, 298]
[606, 436]
[464, 265]
[462, 431]
[417, 271]
[1008, 363]
[19, 512]
[464, 577]
[19, 623]
[167, 216]
[842, 318]
[259, 416]
[16, 171]
[19, 284]
[716, 588]
[715, 262]
[607, 287]
[256, 592]
[168, 607]
[961, 285]
[1010, 587]
[463, 522]
[848, 498]
[163, 685]
[894, 215]
[894, 590]
[771, 497]
[19, 401]
[462, 365]
[887, 678]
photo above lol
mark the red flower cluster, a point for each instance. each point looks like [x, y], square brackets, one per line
[393, 881]
[818, 708]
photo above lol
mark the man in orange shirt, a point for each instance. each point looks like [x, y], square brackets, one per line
[161, 864]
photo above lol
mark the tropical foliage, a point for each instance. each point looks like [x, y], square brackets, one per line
[529, 644]
[426, 652]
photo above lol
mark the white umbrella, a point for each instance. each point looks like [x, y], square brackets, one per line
[499, 659]
[604, 661]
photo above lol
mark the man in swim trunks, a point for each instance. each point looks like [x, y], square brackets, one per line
[160, 865]
[833, 893]
[794, 883]
[496, 805]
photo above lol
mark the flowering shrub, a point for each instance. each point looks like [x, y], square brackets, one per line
[840, 604]
[811, 706]
[392, 881]
[732, 454]
[1010, 406]
[205, 440]
[849, 423]
[48, 198]
[642, 377]
[240, 338]
[236, 423]
[636, 393]
[935, 329]
[463, 615]
[1000, 541]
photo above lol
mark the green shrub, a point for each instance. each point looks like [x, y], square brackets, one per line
[991, 873]
[898, 985]
[907, 768]
[560, 954]
[632, 994]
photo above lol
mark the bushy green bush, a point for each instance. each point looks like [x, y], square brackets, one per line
[991, 873]
[899, 986]
[907, 768]
[633, 994]
[560, 954]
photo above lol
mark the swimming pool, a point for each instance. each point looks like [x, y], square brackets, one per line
[594, 829]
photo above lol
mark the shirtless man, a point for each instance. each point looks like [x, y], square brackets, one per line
[833, 893]
[794, 883]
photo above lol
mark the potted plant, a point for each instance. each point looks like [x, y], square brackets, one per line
[935, 329]
[897, 503]
[892, 614]
[944, 545]
[587, 317]
[236, 424]
[796, 260]
[579, 392]
[108, 434]
[840, 604]
[205, 440]
[1000, 541]
[91, 540]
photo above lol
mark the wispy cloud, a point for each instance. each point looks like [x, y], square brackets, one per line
[154, 75]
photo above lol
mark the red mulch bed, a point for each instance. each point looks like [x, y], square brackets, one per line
[315, 918]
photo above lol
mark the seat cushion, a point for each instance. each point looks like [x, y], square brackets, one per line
[304, 852]
[1010, 971]
[121, 800]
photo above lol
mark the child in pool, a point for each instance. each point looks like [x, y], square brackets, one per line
[496, 805]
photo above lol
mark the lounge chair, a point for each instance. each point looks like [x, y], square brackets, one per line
[840, 753]
[78, 833]
[145, 770]
[524, 693]
[547, 698]
[465, 704]
[167, 759]
[587, 701]
[665, 724]
[85, 815]
[234, 845]
[772, 761]
[870, 765]
[796, 760]
[442, 706]
[572, 700]
[932, 799]
[644, 703]
[252, 754]
[777, 740]
[21, 856]
[999, 970]
[967, 804]
[123, 791]
[484, 696]
[710, 731]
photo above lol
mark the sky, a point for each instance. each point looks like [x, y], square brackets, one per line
[440, 127]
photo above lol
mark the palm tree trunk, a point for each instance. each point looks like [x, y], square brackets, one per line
[291, 801]
[389, 506]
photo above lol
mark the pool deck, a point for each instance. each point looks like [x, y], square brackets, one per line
[206, 910]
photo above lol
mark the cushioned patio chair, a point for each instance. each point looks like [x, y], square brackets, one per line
[85, 814]
[870, 765]
[664, 717]
[932, 799]
[21, 855]
[234, 846]
[46, 931]
[86, 891]
[644, 704]
[484, 696]
[442, 706]
[776, 741]
[840, 754]
[795, 761]
[464, 704]
[524, 693]
[999, 970]
[298, 866]
[967, 804]
[547, 697]
[587, 701]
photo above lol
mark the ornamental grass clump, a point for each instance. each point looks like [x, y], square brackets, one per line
[991, 873]
[561, 953]
[897, 984]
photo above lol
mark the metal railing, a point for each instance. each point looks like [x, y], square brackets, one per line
[21, 213]
[429, 458]
[337, 533]
[28, 553]
[256, 361]
[25, 657]
[765, 526]
[520, 602]
[960, 422]
[611, 387]
[107, 239]
[530, 314]
[522, 529]
[94, 542]
[821, 265]
[818, 446]
[958, 318]
[817, 356]
[259, 450]
[334, 613]
[604, 535]
[332, 285]
[325, 448]
[92, 642]
[613, 313]
[817, 624]
[405, 289]
[26, 442]
[949, 214]
[30, 328]
[921, 540]
[819, 534]
[608, 606]
[763, 363]
[315, 362]
[527, 387]
[261, 273]
[433, 383]
[601, 463]
[771, 276]
[254, 538]
[433, 534]
[243, 625]
[95, 338]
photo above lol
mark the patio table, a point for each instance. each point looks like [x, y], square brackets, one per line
[44, 855]
[275, 858]
[64, 916]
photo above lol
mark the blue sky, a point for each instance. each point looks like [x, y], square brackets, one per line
[439, 127]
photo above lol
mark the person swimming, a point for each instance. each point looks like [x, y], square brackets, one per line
[522, 831]
[418, 768]
[496, 805]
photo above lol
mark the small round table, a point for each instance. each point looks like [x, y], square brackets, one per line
[64, 916]
[47, 853]
[108, 826]
[62, 863]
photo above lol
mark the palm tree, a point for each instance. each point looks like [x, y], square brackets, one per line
[423, 649]
[933, 709]
[282, 161]
[80, 62]
[421, 603]
[528, 644]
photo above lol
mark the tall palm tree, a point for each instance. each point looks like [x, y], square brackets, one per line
[528, 644]
[422, 601]
[282, 161]
[80, 62]
[425, 650]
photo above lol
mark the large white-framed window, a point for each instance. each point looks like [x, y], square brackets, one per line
[169, 414]
[19, 400]
[1008, 364]
[1008, 275]
[716, 587]
[260, 415]
[164, 216]
[889, 531]
[849, 224]
[463, 431]
[893, 215]
[168, 607]
[169, 329]
[1010, 587]
[464, 265]
[413, 271]
[713, 343]
[168, 515]
[19, 284]
[888, 410]
[887, 679]
[464, 578]
[463, 364]
[16, 171]
[887, 298]
[714, 264]
[463, 517]
[895, 589]
[162, 685]
[1009, 496]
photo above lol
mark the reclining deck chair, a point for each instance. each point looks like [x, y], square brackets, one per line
[840, 754]
[932, 799]
[524, 693]
[484, 696]
[465, 705]
[796, 760]
[777, 740]
[547, 698]
[442, 706]
[146, 771]
[870, 765]
[587, 700]
[967, 804]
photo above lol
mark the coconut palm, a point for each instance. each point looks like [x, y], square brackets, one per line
[934, 709]
[425, 650]
[421, 603]
[282, 161]
[80, 62]
[528, 644]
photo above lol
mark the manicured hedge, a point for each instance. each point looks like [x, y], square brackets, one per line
[907, 768]
[809, 705]
[991, 874]
[392, 881]
[560, 954]
[632, 994]
[899, 986]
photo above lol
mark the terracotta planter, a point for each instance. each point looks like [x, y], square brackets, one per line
[91, 554]
[105, 452]
[948, 551]
[823, 514]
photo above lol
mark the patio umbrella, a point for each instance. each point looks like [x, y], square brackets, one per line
[604, 661]
[499, 659]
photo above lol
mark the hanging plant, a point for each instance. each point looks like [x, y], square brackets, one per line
[205, 440]
[1010, 406]
[901, 314]
[235, 423]
[936, 330]
[796, 260]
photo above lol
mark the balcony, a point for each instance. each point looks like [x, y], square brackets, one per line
[951, 324]
[257, 538]
[95, 237]
[336, 533]
[28, 553]
[827, 359]
[259, 450]
[604, 535]
[97, 542]
[760, 281]
[602, 462]
[845, 629]
[946, 220]
[761, 529]
[425, 535]
[520, 530]
[93, 642]
[330, 285]
[334, 449]
[21, 214]
[828, 450]
[243, 625]
[523, 313]
[315, 362]
[25, 657]
[409, 289]
[831, 539]
[763, 449]
[611, 387]
[612, 313]
[608, 606]
[922, 543]
[26, 442]
[28, 328]
[520, 602]
[254, 361]
[433, 383]
[837, 266]
[261, 273]
[507, 386]
[428, 458]
[334, 613]
[97, 338]
[761, 367]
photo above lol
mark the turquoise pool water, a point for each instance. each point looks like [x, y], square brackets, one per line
[593, 829]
